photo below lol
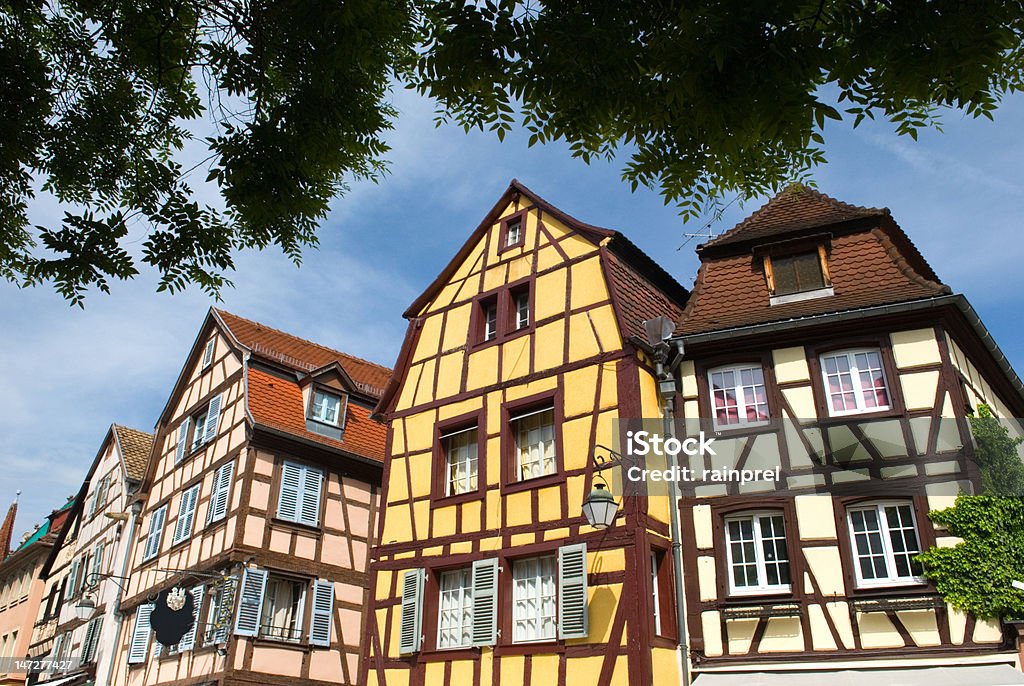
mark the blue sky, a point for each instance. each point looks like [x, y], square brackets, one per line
[70, 373]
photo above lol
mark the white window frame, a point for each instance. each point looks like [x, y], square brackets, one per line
[455, 586]
[471, 464]
[762, 587]
[522, 309]
[522, 597]
[516, 224]
[208, 352]
[300, 610]
[855, 382]
[654, 593]
[889, 555]
[739, 390]
[316, 415]
[514, 420]
[490, 322]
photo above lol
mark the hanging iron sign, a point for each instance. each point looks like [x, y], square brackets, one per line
[172, 616]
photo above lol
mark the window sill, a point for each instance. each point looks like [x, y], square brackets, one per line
[801, 296]
[297, 526]
[891, 587]
[445, 654]
[766, 595]
[849, 417]
[282, 643]
[501, 338]
[535, 482]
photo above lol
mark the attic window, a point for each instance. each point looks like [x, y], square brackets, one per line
[326, 407]
[512, 232]
[797, 276]
[208, 353]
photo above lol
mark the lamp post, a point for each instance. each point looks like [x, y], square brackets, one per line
[600, 507]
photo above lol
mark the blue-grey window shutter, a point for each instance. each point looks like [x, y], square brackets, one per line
[55, 648]
[572, 591]
[485, 602]
[156, 532]
[97, 566]
[179, 451]
[73, 578]
[323, 613]
[139, 646]
[92, 637]
[250, 601]
[186, 514]
[212, 418]
[208, 352]
[291, 492]
[218, 507]
[411, 636]
[312, 488]
[189, 639]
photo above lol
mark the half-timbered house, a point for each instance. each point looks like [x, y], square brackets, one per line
[818, 337]
[518, 359]
[79, 623]
[259, 499]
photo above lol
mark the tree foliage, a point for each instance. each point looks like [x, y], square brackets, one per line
[975, 574]
[98, 98]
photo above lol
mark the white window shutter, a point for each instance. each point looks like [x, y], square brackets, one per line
[323, 613]
[208, 352]
[179, 451]
[186, 514]
[411, 637]
[250, 601]
[291, 489]
[485, 602]
[212, 418]
[572, 591]
[188, 641]
[139, 646]
[218, 507]
[156, 532]
[312, 488]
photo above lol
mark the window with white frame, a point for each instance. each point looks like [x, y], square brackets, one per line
[455, 609]
[534, 592]
[756, 553]
[738, 395]
[460, 452]
[854, 381]
[534, 434]
[885, 542]
[283, 603]
[490, 321]
[208, 352]
[326, 407]
[521, 300]
[513, 232]
[654, 590]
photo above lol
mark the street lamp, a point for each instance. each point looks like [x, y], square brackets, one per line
[85, 607]
[600, 507]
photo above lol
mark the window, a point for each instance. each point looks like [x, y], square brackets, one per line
[326, 407]
[797, 273]
[757, 555]
[214, 628]
[208, 352]
[738, 397]
[513, 232]
[217, 508]
[885, 542]
[521, 301]
[854, 382]
[534, 615]
[156, 531]
[460, 451]
[202, 425]
[534, 434]
[283, 602]
[299, 499]
[186, 514]
[654, 586]
[455, 609]
[490, 321]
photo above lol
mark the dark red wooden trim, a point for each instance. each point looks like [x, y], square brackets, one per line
[439, 473]
[503, 244]
[510, 481]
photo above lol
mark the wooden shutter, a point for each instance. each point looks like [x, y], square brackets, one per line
[179, 451]
[212, 419]
[291, 490]
[322, 615]
[218, 507]
[411, 636]
[312, 488]
[101, 497]
[97, 566]
[156, 532]
[572, 591]
[55, 648]
[189, 639]
[485, 602]
[92, 639]
[139, 646]
[186, 514]
[250, 601]
[73, 578]
[208, 352]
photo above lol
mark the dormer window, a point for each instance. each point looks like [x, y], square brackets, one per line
[794, 275]
[326, 407]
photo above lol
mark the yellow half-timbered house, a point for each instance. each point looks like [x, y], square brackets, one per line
[517, 361]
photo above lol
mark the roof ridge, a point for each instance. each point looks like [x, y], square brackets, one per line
[304, 340]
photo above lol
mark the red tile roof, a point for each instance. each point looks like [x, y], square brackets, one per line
[638, 299]
[277, 403]
[302, 355]
[867, 268]
[797, 207]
